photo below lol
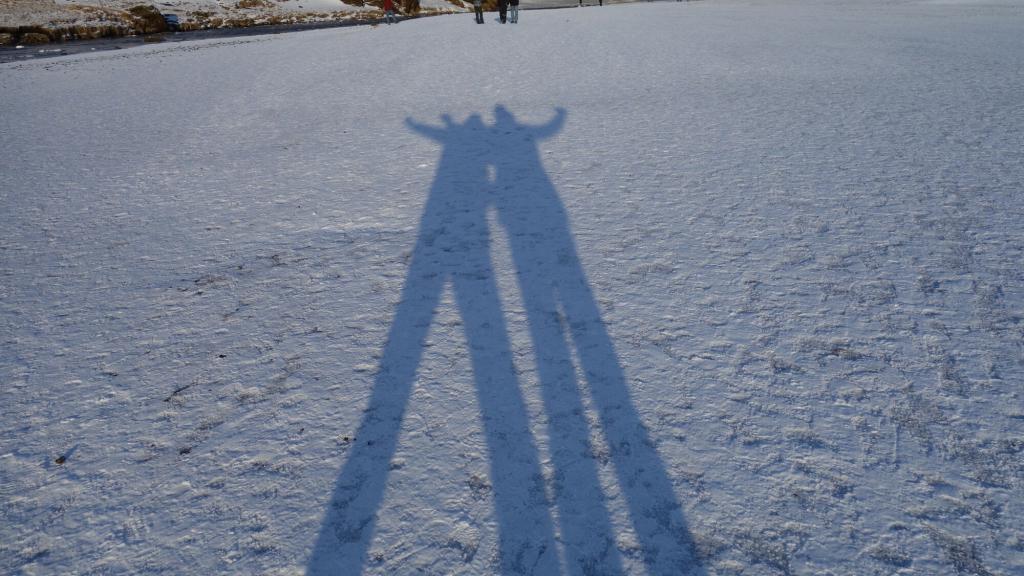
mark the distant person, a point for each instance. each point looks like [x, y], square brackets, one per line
[514, 11]
[389, 12]
[503, 10]
[478, 7]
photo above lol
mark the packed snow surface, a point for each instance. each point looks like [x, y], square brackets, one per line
[729, 287]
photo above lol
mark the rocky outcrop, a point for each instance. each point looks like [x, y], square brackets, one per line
[147, 19]
[91, 19]
[29, 38]
[41, 35]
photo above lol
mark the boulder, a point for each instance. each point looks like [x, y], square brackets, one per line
[147, 19]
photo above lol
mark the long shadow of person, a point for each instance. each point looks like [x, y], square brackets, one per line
[454, 246]
[544, 256]
[560, 307]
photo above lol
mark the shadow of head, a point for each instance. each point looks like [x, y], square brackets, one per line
[498, 157]
[451, 132]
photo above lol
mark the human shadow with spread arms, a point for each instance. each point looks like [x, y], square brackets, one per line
[453, 247]
[561, 309]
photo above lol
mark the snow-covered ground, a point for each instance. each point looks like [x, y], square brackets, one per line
[752, 303]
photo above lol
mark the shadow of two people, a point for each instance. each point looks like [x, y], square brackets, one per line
[453, 247]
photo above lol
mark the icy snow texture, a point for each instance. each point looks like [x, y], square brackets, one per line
[801, 224]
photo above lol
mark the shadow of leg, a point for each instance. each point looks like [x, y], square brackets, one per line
[655, 512]
[347, 529]
[527, 543]
[586, 530]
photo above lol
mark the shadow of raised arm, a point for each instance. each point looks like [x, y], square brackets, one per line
[554, 126]
[432, 132]
[504, 121]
